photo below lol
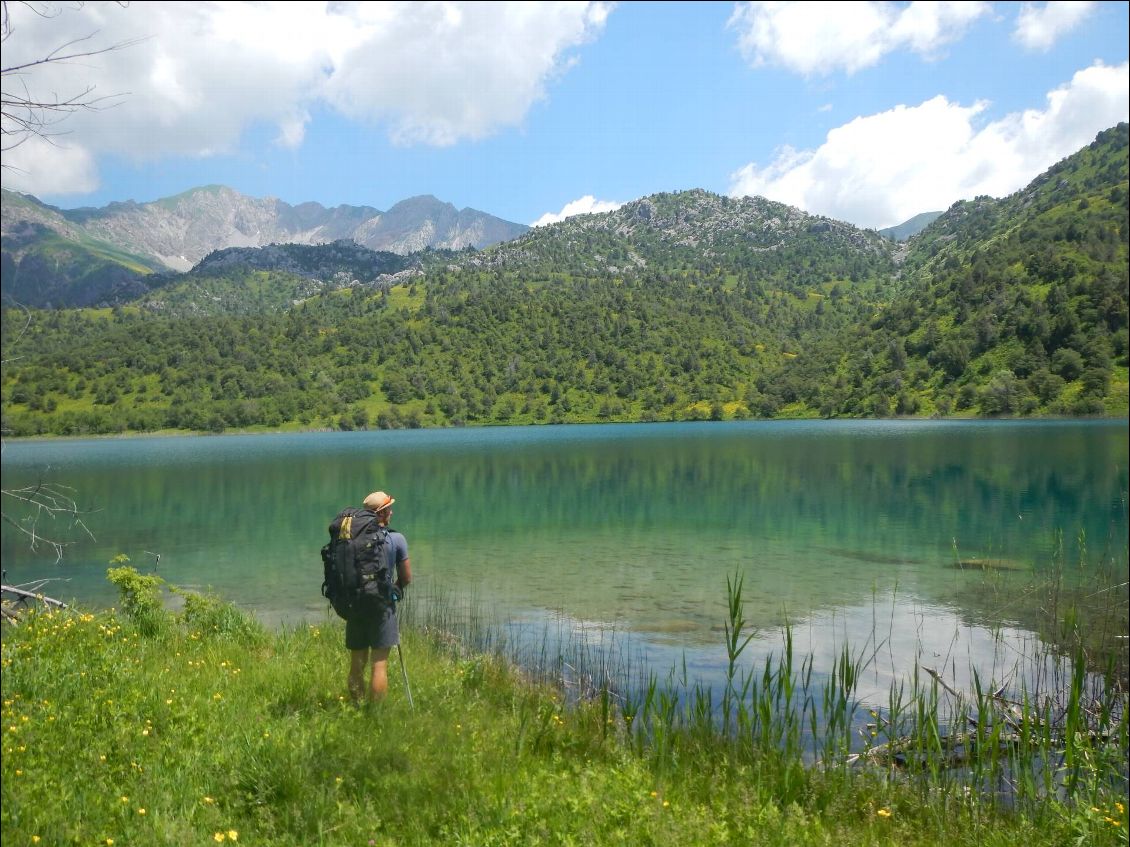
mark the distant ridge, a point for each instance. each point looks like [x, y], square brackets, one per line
[911, 227]
[177, 232]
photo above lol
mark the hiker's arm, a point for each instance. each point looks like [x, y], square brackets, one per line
[403, 574]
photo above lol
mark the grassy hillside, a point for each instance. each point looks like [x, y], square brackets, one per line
[41, 268]
[47, 262]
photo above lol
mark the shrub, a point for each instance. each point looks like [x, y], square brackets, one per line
[140, 595]
[211, 614]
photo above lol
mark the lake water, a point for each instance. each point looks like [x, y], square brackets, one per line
[847, 530]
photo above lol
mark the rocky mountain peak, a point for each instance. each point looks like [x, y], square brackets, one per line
[178, 231]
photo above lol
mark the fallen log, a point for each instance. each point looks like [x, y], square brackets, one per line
[24, 596]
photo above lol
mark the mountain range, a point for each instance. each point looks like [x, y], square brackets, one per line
[779, 244]
[85, 256]
[675, 306]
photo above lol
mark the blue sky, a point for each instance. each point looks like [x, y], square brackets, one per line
[865, 112]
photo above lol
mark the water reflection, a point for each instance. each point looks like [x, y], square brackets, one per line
[631, 528]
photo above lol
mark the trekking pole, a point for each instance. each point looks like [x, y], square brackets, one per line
[404, 671]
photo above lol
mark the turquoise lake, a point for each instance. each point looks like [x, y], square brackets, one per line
[625, 534]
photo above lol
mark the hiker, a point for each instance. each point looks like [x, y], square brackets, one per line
[371, 630]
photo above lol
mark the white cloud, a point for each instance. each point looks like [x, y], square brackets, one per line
[1038, 27]
[441, 73]
[880, 170]
[41, 166]
[822, 38]
[583, 206]
[200, 74]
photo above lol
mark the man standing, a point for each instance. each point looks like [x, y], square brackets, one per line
[371, 630]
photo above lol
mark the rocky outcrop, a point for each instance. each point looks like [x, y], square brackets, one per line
[697, 221]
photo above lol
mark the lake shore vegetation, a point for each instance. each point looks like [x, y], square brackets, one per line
[192, 723]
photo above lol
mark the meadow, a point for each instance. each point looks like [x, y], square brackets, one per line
[191, 723]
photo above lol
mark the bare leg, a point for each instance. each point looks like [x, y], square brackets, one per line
[357, 661]
[379, 683]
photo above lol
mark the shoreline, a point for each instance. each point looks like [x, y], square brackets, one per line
[313, 430]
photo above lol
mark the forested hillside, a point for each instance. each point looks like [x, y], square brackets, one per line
[460, 348]
[677, 306]
[1014, 306]
[256, 280]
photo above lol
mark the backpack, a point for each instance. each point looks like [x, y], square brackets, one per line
[353, 562]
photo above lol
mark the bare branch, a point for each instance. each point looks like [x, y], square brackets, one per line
[20, 333]
[38, 503]
[23, 115]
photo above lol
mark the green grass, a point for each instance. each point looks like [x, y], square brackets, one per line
[144, 726]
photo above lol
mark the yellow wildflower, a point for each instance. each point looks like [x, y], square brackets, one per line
[884, 813]
[233, 835]
[219, 836]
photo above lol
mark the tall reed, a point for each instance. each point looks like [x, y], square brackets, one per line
[1062, 733]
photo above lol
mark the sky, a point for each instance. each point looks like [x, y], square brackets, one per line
[867, 112]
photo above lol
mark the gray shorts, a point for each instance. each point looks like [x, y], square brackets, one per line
[372, 624]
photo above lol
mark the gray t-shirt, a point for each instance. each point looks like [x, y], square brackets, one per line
[394, 552]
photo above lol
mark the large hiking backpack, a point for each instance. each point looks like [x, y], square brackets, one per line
[354, 561]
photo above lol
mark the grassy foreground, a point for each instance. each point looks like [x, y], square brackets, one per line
[143, 726]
